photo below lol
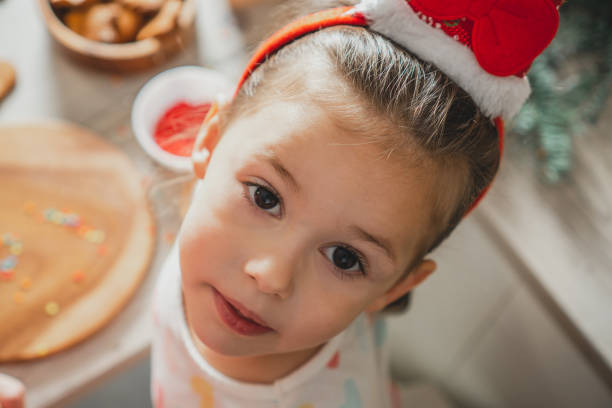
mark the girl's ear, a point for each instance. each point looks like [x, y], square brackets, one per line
[417, 275]
[207, 139]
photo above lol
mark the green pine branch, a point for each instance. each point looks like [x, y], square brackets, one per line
[571, 82]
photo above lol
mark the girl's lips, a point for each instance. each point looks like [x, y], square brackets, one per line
[237, 317]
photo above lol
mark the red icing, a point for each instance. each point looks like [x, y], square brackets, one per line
[176, 130]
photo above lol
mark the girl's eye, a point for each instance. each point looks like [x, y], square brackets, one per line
[347, 261]
[264, 199]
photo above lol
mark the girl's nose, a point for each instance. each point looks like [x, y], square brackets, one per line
[271, 275]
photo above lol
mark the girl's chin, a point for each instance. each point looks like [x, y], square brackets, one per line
[219, 343]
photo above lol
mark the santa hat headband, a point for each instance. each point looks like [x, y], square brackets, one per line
[485, 46]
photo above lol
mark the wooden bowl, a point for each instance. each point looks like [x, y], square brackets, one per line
[124, 56]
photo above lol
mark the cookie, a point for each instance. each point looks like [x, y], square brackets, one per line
[7, 78]
[70, 3]
[163, 22]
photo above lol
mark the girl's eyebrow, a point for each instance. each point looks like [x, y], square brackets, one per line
[383, 243]
[272, 159]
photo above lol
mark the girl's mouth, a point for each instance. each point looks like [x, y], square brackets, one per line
[237, 317]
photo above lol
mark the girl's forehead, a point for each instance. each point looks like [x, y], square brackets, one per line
[304, 134]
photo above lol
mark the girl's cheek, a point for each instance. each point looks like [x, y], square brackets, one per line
[213, 227]
[213, 208]
[317, 325]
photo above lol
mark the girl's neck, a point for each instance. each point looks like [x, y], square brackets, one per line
[263, 369]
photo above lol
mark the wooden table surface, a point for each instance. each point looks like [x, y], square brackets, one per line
[561, 235]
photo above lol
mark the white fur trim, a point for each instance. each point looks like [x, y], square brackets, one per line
[496, 96]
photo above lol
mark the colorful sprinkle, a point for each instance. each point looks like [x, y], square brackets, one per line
[78, 276]
[18, 297]
[52, 308]
[48, 213]
[100, 237]
[71, 220]
[8, 238]
[26, 283]
[57, 218]
[102, 250]
[95, 236]
[82, 230]
[42, 350]
[16, 248]
[7, 275]
[8, 264]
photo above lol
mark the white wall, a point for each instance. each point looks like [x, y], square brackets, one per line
[478, 331]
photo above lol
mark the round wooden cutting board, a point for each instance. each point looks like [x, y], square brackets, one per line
[76, 237]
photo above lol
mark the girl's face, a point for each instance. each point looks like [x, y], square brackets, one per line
[295, 229]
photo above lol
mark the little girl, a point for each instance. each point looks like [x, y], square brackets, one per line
[357, 140]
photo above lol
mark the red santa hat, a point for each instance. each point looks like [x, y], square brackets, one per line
[485, 46]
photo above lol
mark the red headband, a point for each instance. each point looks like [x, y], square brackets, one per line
[471, 24]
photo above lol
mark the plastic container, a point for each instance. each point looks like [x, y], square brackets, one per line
[189, 84]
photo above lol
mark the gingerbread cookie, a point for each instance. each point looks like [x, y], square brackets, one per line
[7, 78]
